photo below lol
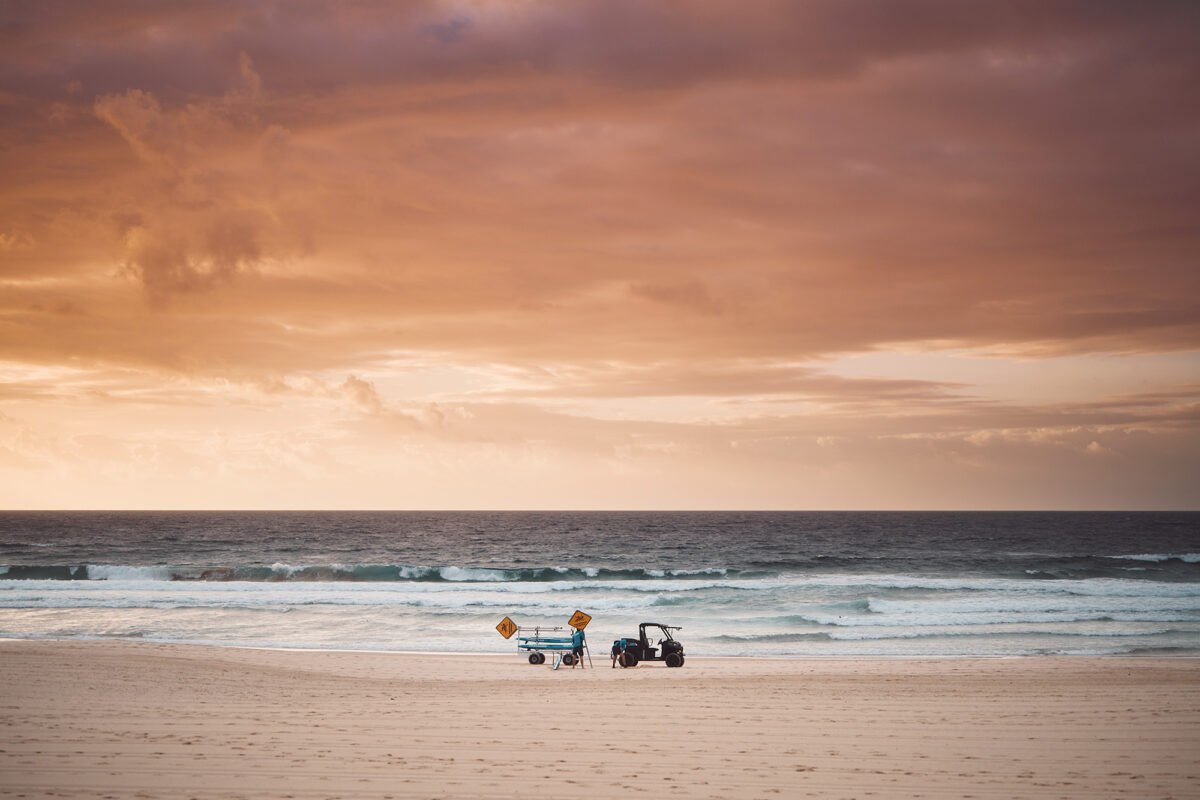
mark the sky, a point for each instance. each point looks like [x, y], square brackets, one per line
[600, 254]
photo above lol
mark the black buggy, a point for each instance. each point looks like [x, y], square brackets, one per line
[628, 652]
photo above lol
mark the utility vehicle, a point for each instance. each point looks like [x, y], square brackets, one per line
[629, 652]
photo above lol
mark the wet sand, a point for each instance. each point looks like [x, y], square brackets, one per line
[127, 720]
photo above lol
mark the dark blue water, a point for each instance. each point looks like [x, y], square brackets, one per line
[754, 583]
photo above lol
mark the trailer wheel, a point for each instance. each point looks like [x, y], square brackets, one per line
[674, 660]
[533, 658]
[568, 659]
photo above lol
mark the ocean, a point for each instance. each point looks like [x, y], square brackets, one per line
[737, 583]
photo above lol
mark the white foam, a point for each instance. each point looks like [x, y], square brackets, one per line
[472, 574]
[858, 613]
[232, 594]
[678, 573]
[290, 570]
[976, 618]
[101, 572]
[1018, 603]
[934, 630]
[1117, 587]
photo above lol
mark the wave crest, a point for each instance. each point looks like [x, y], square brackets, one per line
[1158, 558]
[280, 572]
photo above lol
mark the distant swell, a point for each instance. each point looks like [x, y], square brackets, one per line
[1159, 558]
[359, 573]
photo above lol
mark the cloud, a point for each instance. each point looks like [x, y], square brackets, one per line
[363, 394]
[192, 223]
[342, 444]
[689, 294]
[671, 209]
[734, 380]
[519, 182]
[169, 263]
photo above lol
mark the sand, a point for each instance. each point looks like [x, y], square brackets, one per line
[129, 720]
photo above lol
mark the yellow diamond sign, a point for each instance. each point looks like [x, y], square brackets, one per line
[579, 620]
[507, 627]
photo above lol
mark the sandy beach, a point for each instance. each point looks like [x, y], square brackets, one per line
[101, 719]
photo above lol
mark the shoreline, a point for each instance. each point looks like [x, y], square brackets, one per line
[95, 718]
[691, 656]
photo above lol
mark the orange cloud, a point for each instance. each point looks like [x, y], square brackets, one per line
[548, 216]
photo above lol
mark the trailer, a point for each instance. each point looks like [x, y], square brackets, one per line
[538, 641]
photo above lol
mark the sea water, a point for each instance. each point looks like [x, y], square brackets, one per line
[763, 584]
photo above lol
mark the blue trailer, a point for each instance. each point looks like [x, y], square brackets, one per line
[538, 641]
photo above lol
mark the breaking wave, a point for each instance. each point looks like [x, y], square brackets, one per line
[358, 573]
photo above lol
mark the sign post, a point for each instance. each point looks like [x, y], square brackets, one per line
[579, 621]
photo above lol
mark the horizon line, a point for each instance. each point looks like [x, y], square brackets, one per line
[605, 510]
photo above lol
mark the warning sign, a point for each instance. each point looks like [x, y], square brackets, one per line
[507, 627]
[579, 620]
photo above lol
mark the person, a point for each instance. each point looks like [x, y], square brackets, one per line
[617, 652]
[577, 648]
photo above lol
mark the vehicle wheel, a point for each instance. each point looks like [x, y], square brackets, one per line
[568, 659]
[674, 660]
[533, 658]
[628, 660]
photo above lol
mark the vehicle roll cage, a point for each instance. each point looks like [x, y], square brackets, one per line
[666, 629]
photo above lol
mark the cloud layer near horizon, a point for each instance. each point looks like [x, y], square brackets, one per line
[609, 238]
